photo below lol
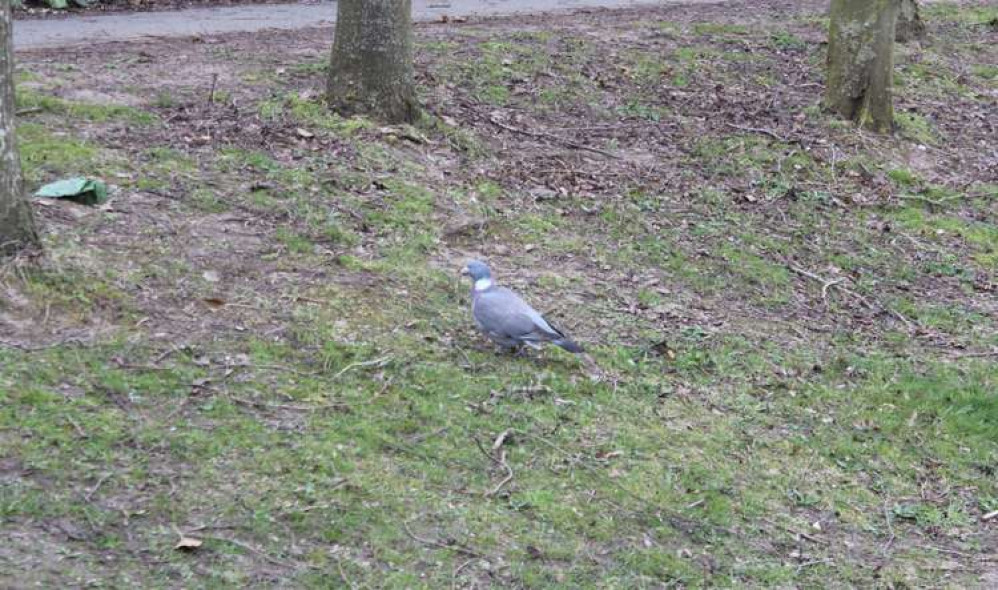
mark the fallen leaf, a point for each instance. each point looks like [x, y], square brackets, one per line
[214, 302]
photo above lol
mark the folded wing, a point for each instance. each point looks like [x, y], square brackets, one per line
[502, 313]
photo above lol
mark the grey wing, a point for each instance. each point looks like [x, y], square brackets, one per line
[503, 313]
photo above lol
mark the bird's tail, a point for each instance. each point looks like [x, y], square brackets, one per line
[569, 345]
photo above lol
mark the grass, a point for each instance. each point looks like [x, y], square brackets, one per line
[46, 154]
[31, 100]
[271, 353]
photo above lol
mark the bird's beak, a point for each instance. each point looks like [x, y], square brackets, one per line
[465, 272]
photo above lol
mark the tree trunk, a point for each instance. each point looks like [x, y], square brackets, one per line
[371, 69]
[910, 25]
[17, 224]
[861, 61]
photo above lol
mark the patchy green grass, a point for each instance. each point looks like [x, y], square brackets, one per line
[791, 327]
[47, 154]
[31, 100]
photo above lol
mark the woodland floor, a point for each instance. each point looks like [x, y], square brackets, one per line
[261, 343]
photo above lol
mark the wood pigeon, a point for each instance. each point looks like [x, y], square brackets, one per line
[505, 318]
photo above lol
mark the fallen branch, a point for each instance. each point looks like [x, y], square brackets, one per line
[501, 461]
[890, 526]
[76, 426]
[97, 486]
[506, 480]
[37, 348]
[989, 515]
[251, 549]
[610, 127]
[941, 202]
[944, 550]
[294, 408]
[550, 137]
[376, 362]
[453, 546]
[768, 132]
[458, 569]
[826, 284]
[28, 111]
[814, 562]
[974, 355]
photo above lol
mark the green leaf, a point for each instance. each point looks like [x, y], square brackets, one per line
[81, 190]
[57, 4]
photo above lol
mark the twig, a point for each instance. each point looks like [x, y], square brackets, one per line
[989, 516]
[76, 426]
[211, 93]
[28, 111]
[259, 404]
[947, 551]
[162, 357]
[809, 537]
[940, 203]
[506, 480]
[971, 355]
[814, 562]
[932, 202]
[646, 124]
[555, 138]
[890, 526]
[831, 283]
[457, 571]
[343, 574]
[768, 132]
[797, 533]
[453, 547]
[97, 486]
[500, 440]
[252, 549]
[825, 284]
[40, 347]
[205, 527]
[376, 362]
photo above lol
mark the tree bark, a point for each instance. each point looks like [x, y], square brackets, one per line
[371, 67]
[910, 25]
[861, 61]
[17, 224]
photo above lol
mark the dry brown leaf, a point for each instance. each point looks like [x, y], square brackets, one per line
[214, 302]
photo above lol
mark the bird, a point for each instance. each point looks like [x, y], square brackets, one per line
[508, 320]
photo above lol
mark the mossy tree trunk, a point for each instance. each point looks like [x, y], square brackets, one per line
[860, 68]
[910, 25]
[371, 68]
[17, 225]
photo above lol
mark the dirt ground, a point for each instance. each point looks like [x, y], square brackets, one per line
[254, 366]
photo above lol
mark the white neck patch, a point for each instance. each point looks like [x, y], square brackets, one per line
[483, 284]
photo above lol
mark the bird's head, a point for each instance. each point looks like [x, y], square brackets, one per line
[478, 272]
